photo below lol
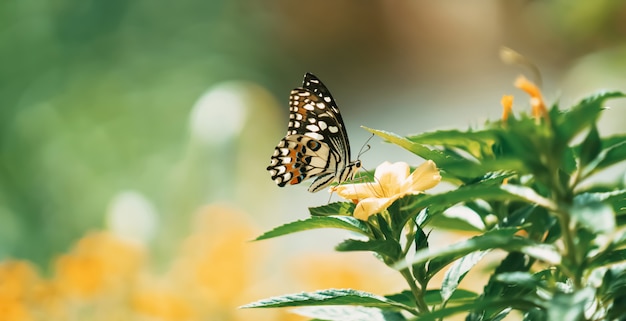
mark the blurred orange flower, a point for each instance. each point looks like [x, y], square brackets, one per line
[507, 106]
[536, 99]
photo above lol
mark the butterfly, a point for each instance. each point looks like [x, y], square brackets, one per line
[316, 144]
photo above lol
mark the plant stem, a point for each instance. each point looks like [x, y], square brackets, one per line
[418, 294]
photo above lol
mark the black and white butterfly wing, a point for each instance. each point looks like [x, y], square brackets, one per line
[316, 144]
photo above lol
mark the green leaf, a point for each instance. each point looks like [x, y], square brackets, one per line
[608, 258]
[433, 297]
[481, 304]
[586, 113]
[337, 208]
[501, 238]
[570, 306]
[340, 222]
[611, 155]
[457, 272]
[417, 149]
[593, 214]
[487, 241]
[329, 297]
[466, 170]
[348, 313]
[387, 248]
[437, 203]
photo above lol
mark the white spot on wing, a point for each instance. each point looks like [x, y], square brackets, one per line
[315, 136]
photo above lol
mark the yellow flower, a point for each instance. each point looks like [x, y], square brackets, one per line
[392, 181]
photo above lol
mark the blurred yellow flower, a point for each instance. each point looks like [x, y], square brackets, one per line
[98, 263]
[392, 181]
[315, 271]
[17, 281]
[161, 304]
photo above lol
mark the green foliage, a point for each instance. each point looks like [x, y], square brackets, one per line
[520, 186]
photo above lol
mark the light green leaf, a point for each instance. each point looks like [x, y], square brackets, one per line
[417, 149]
[340, 222]
[544, 252]
[348, 313]
[524, 279]
[477, 143]
[570, 306]
[585, 113]
[529, 195]
[329, 297]
[593, 214]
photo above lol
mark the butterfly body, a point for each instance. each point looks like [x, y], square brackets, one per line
[316, 144]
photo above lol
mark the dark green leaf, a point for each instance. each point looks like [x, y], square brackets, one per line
[388, 248]
[535, 314]
[329, 297]
[457, 272]
[609, 156]
[433, 297]
[608, 258]
[489, 240]
[481, 304]
[337, 208]
[348, 313]
[590, 147]
[340, 222]
[502, 238]
[466, 170]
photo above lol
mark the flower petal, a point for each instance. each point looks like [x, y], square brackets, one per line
[426, 176]
[370, 206]
[357, 191]
[391, 176]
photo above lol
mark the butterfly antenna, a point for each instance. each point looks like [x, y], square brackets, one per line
[366, 146]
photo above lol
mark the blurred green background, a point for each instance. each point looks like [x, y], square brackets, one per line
[131, 115]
